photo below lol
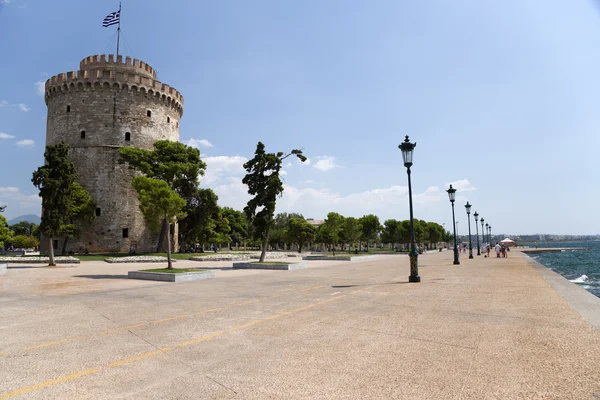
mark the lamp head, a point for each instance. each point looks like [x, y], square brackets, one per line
[407, 151]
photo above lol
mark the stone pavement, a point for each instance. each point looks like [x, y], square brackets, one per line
[487, 329]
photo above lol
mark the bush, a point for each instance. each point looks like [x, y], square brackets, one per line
[23, 242]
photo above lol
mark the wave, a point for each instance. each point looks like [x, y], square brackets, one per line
[582, 279]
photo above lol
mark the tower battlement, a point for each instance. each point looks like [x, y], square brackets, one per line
[100, 72]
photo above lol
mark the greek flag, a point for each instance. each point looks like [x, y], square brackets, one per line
[112, 19]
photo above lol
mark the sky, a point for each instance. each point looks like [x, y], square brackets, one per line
[501, 96]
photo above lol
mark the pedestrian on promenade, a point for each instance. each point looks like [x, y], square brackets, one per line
[497, 247]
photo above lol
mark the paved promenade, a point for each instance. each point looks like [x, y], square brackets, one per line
[487, 329]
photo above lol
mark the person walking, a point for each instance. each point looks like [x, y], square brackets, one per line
[497, 247]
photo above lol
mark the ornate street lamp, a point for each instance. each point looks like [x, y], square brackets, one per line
[468, 208]
[407, 154]
[491, 234]
[477, 233]
[452, 195]
[487, 231]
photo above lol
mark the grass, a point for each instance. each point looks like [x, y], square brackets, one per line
[271, 262]
[174, 270]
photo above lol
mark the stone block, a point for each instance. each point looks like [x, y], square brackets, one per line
[167, 277]
[282, 266]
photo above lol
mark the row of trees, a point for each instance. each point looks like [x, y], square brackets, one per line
[23, 234]
[168, 190]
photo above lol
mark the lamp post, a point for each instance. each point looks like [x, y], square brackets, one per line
[490, 234]
[452, 195]
[477, 233]
[487, 232]
[407, 154]
[468, 208]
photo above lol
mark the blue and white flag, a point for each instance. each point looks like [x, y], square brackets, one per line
[112, 19]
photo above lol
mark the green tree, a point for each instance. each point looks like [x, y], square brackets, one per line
[391, 231]
[175, 163]
[300, 232]
[351, 231]
[24, 228]
[280, 225]
[265, 185]
[81, 211]
[55, 182]
[5, 232]
[436, 232]
[24, 242]
[158, 202]
[331, 229]
[238, 226]
[370, 227]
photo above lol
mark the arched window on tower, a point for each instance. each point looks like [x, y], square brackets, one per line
[149, 113]
[69, 108]
[168, 119]
[127, 136]
[83, 134]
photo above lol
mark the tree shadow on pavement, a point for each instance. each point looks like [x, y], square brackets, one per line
[367, 284]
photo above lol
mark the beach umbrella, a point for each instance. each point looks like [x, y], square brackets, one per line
[508, 242]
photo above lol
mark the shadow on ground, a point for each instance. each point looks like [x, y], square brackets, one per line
[101, 276]
[367, 284]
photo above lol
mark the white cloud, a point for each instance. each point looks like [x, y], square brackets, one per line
[18, 202]
[21, 106]
[289, 164]
[40, 88]
[199, 143]
[462, 185]
[6, 2]
[325, 163]
[223, 167]
[25, 143]
[6, 136]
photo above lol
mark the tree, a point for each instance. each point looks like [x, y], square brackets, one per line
[172, 162]
[265, 185]
[23, 242]
[5, 232]
[404, 232]
[391, 231]
[55, 181]
[370, 227]
[280, 225]
[351, 231]
[81, 210]
[24, 228]
[331, 229]
[158, 203]
[238, 226]
[300, 232]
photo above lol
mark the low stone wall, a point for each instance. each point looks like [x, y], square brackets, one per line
[39, 260]
[339, 258]
[138, 259]
[167, 277]
[279, 266]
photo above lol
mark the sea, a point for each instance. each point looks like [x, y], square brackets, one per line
[580, 267]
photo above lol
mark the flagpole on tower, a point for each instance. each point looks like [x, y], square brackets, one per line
[119, 30]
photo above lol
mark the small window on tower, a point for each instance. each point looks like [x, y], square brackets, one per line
[98, 212]
[125, 232]
[149, 113]
[68, 108]
[168, 119]
[127, 136]
[83, 134]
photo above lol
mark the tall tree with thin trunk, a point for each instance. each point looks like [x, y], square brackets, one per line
[265, 185]
[55, 181]
[158, 202]
[173, 162]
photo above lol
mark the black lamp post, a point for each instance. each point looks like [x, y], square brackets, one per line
[407, 154]
[452, 196]
[491, 234]
[487, 232]
[477, 233]
[468, 208]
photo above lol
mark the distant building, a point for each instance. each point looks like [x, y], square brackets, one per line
[315, 222]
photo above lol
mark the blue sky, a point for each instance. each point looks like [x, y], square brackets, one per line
[502, 98]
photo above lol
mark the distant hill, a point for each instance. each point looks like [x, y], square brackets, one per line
[29, 218]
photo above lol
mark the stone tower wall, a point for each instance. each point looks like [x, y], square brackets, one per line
[97, 110]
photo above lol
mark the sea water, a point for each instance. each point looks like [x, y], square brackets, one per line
[581, 267]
